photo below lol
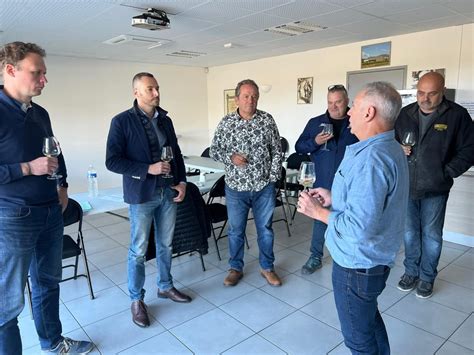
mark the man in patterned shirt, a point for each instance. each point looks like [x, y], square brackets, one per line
[248, 143]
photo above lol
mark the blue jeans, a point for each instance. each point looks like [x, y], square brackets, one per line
[424, 236]
[317, 242]
[30, 239]
[355, 293]
[162, 210]
[238, 205]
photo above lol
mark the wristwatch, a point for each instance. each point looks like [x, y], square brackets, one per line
[64, 184]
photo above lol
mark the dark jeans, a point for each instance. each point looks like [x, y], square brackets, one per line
[424, 236]
[355, 293]
[317, 242]
[30, 238]
[238, 205]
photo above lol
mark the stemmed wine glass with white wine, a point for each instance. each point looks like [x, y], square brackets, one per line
[167, 156]
[327, 129]
[409, 139]
[306, 174]
[51, 149]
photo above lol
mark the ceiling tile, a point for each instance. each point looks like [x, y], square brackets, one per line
[217, 11]
[420, 14]
[460, 6]
[389, 7]
[338, 18]
[301, 9]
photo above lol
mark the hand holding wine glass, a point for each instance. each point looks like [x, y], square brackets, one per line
[51, 149]
[306, 174]
[167, 156]
[408, 141]
[327, 129]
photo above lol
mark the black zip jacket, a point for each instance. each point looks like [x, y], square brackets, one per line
[444, 152]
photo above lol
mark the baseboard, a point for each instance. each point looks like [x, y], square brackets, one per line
[459, 238]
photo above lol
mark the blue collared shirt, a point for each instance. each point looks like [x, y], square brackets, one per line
[369, 202]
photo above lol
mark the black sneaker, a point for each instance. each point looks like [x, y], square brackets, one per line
[313, 264]
[407, 283]
[424, 289]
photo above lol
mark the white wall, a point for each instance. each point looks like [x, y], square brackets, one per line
[83, 95]
[450, 48]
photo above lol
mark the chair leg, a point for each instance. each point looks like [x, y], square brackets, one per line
[28, 292]
[86, 265]
[286, 220]
[293, 216]
[76, 267]
[202, 261]
[246, 241]
[215, 242]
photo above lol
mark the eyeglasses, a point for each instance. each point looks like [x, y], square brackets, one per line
[336, 87]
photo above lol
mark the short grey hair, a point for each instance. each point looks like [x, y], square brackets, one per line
[14, 52]
[385, 98]
[245, 82]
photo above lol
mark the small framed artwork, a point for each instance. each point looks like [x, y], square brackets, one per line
[304, 90]
[229, 101]
[417, 74]
[375, 55]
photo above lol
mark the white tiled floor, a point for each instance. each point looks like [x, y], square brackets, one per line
[253, 318]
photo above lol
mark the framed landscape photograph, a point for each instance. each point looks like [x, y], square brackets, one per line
[304, 93]
[229, 101]
[375, 55]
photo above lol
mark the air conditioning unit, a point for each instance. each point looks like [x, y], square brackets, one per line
[152, 20]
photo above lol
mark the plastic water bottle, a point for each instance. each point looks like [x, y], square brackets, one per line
[93, 185]
[202, 178]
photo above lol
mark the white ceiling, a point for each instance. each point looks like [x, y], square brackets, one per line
[78, 28]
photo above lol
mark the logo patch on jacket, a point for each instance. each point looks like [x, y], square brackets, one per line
[441, 127]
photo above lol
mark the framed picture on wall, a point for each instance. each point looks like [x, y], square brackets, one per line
[229, 101]
[375, 55]
[417, 74]
[304, 90]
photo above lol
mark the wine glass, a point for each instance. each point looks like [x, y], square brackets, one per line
[327, 129]
[306, 174]
[409, 139]
[51, 148]
[167, 156]
[243, 152]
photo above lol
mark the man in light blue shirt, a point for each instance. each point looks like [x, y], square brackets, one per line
[365, 214]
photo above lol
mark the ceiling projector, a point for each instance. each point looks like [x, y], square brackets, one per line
[152, 20]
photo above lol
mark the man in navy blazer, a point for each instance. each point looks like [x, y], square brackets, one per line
[327, 151]
[151, 187]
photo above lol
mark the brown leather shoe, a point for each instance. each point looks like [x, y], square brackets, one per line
[233, 277]
[140, 314]
[272, 278]
[174, 295]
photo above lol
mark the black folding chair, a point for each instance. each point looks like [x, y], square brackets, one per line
[280, 186]
[218, 212]
[192, 227]
[75, 248]
[72, 248]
